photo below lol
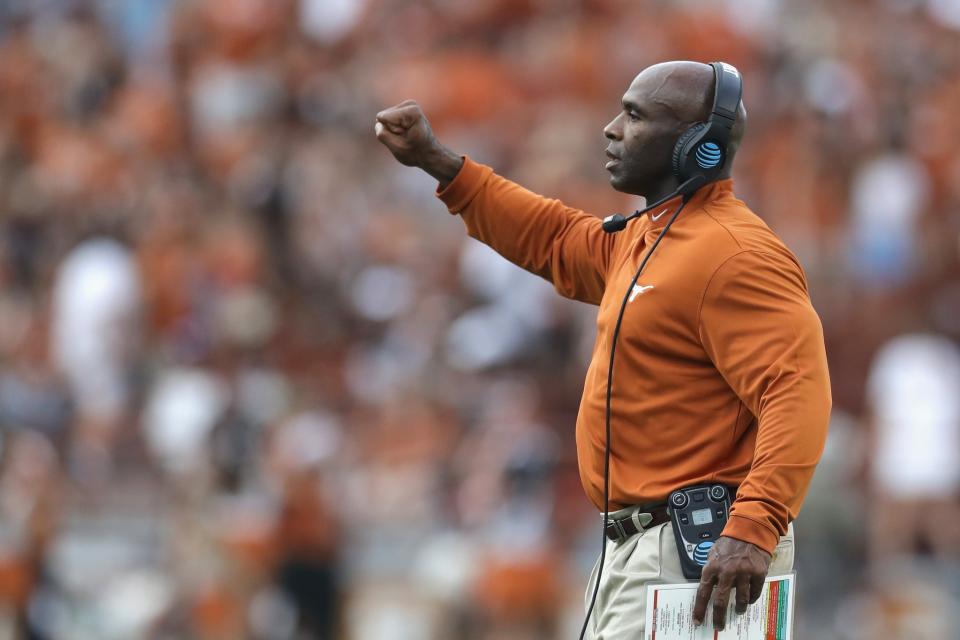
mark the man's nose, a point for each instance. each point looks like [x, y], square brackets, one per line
[612, 130]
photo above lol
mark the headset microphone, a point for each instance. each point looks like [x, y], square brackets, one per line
[618, 222]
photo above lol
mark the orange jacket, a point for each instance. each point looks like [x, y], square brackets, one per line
[720, 374]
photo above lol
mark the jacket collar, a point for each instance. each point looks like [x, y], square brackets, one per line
[704, 195]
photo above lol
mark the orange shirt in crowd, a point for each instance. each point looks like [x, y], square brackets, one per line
[720, 374]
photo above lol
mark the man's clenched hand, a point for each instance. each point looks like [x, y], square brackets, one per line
[732, 563]
[405, 131]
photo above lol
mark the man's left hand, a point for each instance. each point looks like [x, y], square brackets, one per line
[732, 564]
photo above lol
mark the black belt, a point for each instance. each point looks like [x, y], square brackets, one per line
[619, 529]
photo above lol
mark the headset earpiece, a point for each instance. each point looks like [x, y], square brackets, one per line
[681, 151]
[701, 150]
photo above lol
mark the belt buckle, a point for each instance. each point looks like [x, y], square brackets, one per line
[640, 519]
[618, 529]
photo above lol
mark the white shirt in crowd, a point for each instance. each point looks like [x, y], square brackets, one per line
[914, 391]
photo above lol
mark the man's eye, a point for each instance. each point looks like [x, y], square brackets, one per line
[633, 117]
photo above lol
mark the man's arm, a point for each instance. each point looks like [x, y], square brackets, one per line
[561, 244]
[764, 337]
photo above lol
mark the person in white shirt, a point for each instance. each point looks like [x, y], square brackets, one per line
[914, 401]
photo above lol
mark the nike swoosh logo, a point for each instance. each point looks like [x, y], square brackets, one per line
[659, 215]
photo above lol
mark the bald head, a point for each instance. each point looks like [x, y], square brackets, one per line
[684, 90]
[660, 104]
[679, 88]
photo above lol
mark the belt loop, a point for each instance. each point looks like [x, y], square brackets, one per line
[641, 520]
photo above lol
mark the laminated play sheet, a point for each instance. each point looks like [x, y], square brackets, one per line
[670, 613]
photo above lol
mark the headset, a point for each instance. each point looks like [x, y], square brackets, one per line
[702, 148]
[698, 158]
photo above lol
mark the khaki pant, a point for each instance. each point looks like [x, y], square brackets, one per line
[648, 557]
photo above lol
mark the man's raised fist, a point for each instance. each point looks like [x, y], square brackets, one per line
[405, 131]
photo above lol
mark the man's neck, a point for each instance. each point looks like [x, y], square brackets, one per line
[661, 191]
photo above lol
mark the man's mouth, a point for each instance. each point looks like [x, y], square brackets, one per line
[614, 159]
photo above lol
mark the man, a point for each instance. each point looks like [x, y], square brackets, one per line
[721, 374]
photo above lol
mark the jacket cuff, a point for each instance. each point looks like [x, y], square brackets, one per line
[465, 186]
[751, 531]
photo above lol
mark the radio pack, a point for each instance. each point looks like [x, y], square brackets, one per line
[698, 514]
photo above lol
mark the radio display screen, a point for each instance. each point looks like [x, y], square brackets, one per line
[702, 516]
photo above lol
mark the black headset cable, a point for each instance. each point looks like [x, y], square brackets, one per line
[606, 460]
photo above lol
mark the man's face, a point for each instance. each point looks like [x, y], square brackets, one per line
[642, 137]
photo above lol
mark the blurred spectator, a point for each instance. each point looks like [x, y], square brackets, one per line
[889, 193]
[29, 501]
[96, 313]
[915, 454]
[307, 538]
[33, 395]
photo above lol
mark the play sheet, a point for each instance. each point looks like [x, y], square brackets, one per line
[670, 613]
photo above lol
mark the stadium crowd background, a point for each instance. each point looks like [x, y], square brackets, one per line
[256, 383]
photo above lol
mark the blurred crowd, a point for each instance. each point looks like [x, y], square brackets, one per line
[255, 382]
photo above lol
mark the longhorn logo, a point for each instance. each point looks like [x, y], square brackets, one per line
[708, 155]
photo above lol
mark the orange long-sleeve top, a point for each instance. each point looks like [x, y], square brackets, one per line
[720, 373]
